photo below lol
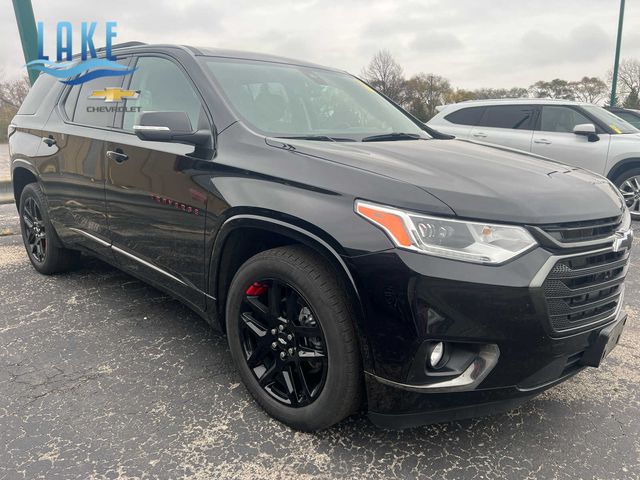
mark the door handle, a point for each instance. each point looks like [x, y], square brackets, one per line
[480, 135]
[117, 156]
[542, 141]
[50, 141]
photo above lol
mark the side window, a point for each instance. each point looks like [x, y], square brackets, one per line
[162, 87]
[629, 117]
[561, 119]
[89, 107]
[466, 116]
[37, 94]
[517, 117]
[71, 100]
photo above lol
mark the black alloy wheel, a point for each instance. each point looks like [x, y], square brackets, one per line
[283, 343]
[36, 237]
[291, 330]
[45, 251]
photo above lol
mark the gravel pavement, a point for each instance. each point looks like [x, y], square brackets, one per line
[102, 376]
[4, 161]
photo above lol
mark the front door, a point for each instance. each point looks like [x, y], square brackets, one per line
[555, 139]
[156, 207]
[507, 125]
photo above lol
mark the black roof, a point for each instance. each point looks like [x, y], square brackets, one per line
[221, 52]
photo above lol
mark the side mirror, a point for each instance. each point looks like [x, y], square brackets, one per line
[588, 130]
[169, 127]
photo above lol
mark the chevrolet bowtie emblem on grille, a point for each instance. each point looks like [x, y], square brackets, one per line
[114, 94]
[622, 240]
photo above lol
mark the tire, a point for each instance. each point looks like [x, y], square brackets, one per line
[334, 381]
[628, 182]
[40, 239]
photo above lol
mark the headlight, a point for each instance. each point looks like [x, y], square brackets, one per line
[459, 240]
[625, 224]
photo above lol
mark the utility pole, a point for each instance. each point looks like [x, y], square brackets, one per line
[28, 33]
[616, 63]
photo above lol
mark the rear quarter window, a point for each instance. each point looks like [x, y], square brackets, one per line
[38, 92]
[466, 116]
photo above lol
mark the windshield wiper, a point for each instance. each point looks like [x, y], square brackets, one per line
[320, 138]
[391, 137]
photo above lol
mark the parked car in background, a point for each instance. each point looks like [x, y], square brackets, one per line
[574, 133]
[628, 114]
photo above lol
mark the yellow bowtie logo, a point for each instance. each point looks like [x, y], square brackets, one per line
[114, 94]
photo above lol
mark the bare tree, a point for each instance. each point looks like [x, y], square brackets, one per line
[628, 78]
[589, 89]
[425, 92]
[386, 75]
[13, 92]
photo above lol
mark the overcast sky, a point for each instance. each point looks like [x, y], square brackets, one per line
[492, 43]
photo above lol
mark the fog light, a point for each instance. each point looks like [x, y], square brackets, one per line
[435, 355]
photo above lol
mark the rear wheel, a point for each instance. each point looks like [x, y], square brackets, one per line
[39, 238]
[291, 336]
[629, 185]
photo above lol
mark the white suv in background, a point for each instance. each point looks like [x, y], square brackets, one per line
[574, 133]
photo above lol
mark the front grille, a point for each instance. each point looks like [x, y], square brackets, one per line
[572, 232]
[585, 289]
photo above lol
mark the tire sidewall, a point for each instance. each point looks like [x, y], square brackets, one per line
[33, 191]
[314, 413]
[632, 172]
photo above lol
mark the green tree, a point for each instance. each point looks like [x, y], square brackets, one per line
[459, 95]
[556, 88]
[424, 92]
[494, 93]
[632, 100]
[589, 89]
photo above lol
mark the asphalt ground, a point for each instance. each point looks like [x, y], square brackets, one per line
[102, 376]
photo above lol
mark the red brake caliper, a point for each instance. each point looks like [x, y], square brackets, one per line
[256, 289]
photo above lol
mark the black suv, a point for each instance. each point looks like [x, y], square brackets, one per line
[352, 255]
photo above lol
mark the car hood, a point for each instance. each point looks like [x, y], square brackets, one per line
[478, 181]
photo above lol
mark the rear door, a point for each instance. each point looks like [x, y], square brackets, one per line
[555, 139]
[74, 174]
[459, 122]
[507, 125]
[155, 203]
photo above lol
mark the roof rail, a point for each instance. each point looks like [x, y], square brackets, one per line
[114, 47]
[121, 45]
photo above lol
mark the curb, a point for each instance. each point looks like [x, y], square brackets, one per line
[6, 190]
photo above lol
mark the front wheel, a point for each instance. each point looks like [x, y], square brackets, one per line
[292, 338]
[629, 185]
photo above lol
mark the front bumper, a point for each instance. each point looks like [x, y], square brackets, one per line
[411, 299]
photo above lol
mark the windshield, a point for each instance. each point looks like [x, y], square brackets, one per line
[616, 124]
[283, 100]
